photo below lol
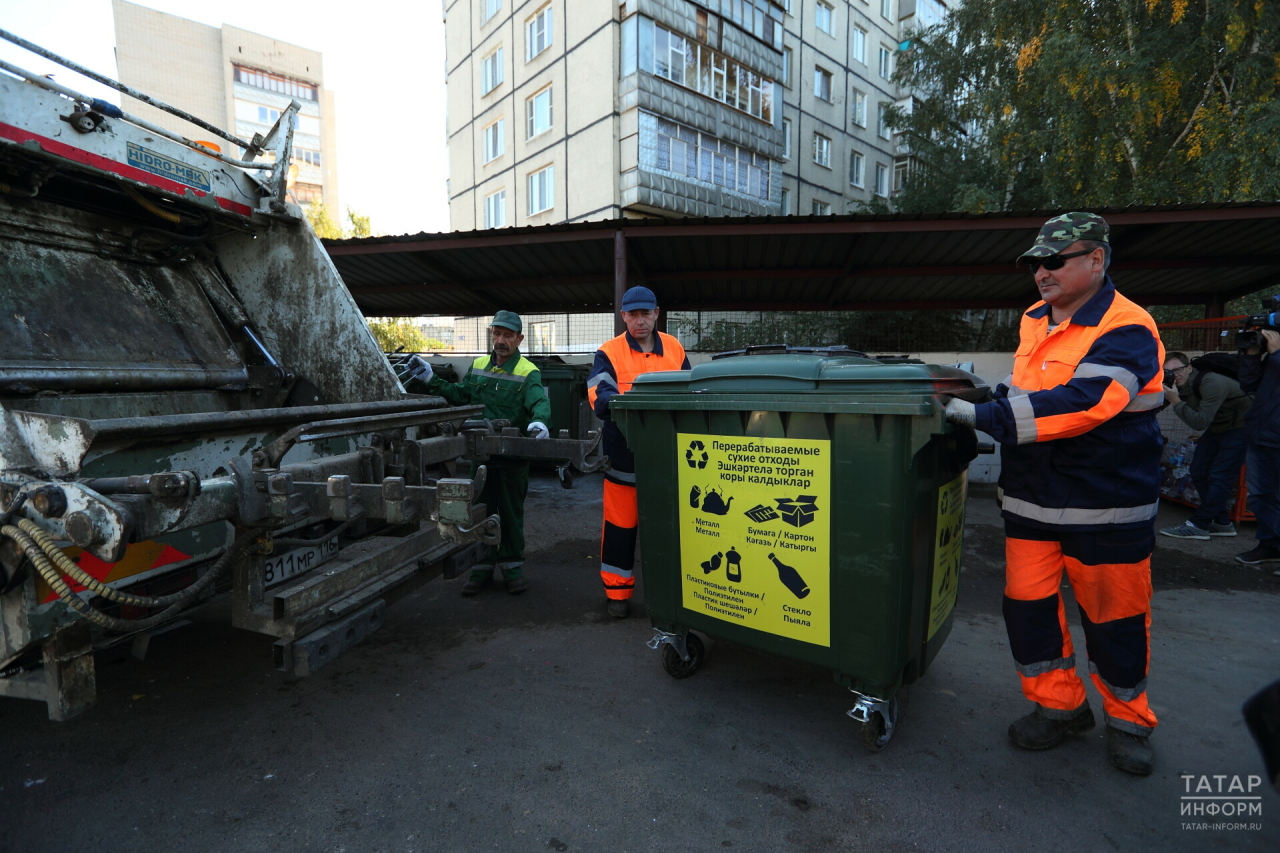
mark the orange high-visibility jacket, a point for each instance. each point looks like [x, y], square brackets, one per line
[618, 362]
[1080, 447]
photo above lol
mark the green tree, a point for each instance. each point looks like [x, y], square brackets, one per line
[358, 224]
[392, 333]
[1076, 103]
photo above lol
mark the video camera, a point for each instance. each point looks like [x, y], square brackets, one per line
[1251, 335]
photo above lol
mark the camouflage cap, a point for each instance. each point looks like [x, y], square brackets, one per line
[1061, 231]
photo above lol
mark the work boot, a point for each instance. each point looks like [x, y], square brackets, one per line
[619, 608]
[1129, 752]
[517, 585]
[1036, 731]
[480, 575]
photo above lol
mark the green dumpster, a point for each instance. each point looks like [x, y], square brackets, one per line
[566, 386]
[805, 503]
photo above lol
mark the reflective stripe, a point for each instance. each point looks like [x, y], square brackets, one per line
[614, 570]
[601, 379]
[1079, 515]
[1008, 381]
[1124, 694]
[1126, 726]
[1145, 402]
[1127, 380]
[501, 374]
[1015, 391]
[1024, 416]
[627, 477]
[1031, 670]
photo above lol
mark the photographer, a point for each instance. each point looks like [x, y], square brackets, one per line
[1212, 402]
[1260, 374]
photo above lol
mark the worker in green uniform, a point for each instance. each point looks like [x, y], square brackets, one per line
[509, 387]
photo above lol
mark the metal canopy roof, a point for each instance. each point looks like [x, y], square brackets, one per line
[1204, 253]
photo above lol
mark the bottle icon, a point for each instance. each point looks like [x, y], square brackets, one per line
[790, 578]
[709, 566]
[733, 567]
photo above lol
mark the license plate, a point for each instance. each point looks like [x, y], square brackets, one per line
[290, 564]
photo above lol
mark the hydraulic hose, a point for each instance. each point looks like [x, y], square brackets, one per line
[45, 566]
[166, 215]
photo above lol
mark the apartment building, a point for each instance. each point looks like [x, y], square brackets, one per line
[236, 79]
[562, 112]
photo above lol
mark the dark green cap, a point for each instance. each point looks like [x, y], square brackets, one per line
[508, 320]
[1061, 231]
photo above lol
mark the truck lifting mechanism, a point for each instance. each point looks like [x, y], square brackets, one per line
[191, 405]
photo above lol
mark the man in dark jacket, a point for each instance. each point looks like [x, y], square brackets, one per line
[1214, 404]
[1260, 375]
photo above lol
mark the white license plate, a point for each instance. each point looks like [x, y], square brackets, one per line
[290, 564]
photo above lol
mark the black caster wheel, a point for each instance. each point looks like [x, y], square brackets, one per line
[565, 476]
[677, 668]
[877, 732]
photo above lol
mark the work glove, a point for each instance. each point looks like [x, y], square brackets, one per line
[539, 430]
[420, 369]
[962, 412]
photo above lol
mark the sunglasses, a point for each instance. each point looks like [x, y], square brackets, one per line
[1056, 262]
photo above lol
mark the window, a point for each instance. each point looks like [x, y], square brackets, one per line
[859, 113]
[695, 66]
[307, 158]
[495, 210]
[490, 71]
[786, 202]
[821, 150]
[860, 45]
[857, 169]
[538, 34]
[886, 62]
[266, 115]
[786, 67]
[882, 180]
[821, 208]
[494, 140]
[306, 193]
[886, 9]
[823, 19]
[822, 83]
[542, 195]
[489, 8]
[786, 139]
[901, 169]
[761, 18]
[882, 120]
[687, 154]
[538, 113]
[275, 83]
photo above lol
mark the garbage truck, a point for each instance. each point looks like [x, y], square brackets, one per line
[192, 406]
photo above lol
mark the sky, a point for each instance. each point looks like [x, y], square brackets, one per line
[383, 59]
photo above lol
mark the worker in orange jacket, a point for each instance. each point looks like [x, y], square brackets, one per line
[618, 362]
[1080, 483]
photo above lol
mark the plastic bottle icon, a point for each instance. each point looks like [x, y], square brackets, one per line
[709, 566]
[790, 578]
[733, 566]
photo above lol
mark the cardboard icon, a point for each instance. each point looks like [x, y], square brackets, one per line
[797, 511]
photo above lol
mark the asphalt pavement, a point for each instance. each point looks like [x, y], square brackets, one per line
[537, 723]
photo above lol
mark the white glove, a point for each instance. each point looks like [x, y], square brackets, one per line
[962, 412]
[419, 368]
[539, 430]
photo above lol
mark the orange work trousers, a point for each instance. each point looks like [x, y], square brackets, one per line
[618, 538]
[1110, 574]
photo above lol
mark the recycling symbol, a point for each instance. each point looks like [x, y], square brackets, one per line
[696, 455]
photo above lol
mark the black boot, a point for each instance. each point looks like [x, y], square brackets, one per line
[1036, 731]
[619, 608]
[1129, 752]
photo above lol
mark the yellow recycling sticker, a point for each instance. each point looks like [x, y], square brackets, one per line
[946, 551]
[755, 533]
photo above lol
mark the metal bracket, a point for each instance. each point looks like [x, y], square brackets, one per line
[869, 705]
[676, 641]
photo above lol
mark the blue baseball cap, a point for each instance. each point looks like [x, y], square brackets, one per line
[639, 299]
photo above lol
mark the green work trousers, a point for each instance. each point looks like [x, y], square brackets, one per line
[504, 491]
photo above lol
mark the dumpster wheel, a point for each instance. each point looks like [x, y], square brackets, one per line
[878, 730]
[565, 475]
[677, 668]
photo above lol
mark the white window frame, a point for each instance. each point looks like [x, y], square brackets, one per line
[531, 113]
[539, 33]
[859, 46]
[882, 121]
[489, 8]
[495, 140]
[545, 191]
[882, 180]
[857, 169]
[820, 208]
[858, 115]
[830, 28]
[491, 71]
[495, 203]
[886, 61]
[822, 78]
[786, 139]
[786, 202]
[886, 9]
[786, 67]
[822, 150]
